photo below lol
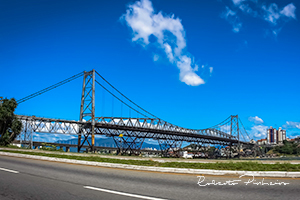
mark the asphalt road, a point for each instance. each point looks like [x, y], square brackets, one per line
[33, 179]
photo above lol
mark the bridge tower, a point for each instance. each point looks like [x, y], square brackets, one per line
[87, 111]
[234, 126]
[235, 130]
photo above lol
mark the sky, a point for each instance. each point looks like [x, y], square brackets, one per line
[191, 63]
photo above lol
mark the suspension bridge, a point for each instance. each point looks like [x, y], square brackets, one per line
[128, 133]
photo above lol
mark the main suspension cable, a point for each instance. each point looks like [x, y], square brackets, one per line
[244, 129]
[50, 88]
[138, 105]
[125, 96]
[120, 99]
[221, 123]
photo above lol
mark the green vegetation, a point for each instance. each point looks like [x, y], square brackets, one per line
[10, 126]
[14, 147]
[247, 166]
[289, 148]
[49, 147]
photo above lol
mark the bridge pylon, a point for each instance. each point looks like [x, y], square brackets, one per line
[234, 126]
[87, 111]
[235, 130]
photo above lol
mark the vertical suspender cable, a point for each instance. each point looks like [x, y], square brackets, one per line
[121, 110]
[112, 106]
[103, 104]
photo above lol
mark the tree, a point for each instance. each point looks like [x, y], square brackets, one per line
[10, 126]
[288, 148]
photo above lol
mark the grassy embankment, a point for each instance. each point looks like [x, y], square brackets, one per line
[247, 166]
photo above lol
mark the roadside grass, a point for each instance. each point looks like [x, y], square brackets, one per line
[13, 147]
[244, 166]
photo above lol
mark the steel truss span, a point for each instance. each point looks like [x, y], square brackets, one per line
[128, 133]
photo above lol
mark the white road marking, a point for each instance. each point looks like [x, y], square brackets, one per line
[8, 170]
[122, 193]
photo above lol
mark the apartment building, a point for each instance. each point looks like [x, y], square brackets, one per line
[275, 136]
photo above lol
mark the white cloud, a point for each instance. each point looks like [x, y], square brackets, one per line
[289, 11]
[271, 13]
[151, 141]
[196, 68]
[259, 131]
[237, 2]
[155, 57]
[211, 70]
[229, 12]
[53, 128]
[236, 27]
[294, 136]
[169, 34]
[169, 52]
[226, 129]
[276, 31]
[246, 9]
[256, 120]
[233, 19]
[51, 137]
[290, 124]
[187, 73]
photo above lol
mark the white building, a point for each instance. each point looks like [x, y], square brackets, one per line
[281, 135]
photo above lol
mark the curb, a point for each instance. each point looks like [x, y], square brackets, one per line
[297, 162]
[280, 174]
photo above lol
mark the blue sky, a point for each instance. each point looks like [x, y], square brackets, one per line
[191, 63]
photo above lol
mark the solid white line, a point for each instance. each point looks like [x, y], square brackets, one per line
[8, 170]
[122, 193]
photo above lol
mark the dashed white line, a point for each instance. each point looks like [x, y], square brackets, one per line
[9, 170]
[122, 193]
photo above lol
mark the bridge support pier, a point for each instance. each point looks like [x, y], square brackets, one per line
[26, 135]
[229, 152]
[169, 145]
[128, 144]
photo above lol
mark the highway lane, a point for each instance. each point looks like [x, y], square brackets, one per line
[52, 180]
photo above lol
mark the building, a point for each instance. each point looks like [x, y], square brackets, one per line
[275, 136]
[252, 141]
[262, 141]
[281, 136]
[272, 135]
